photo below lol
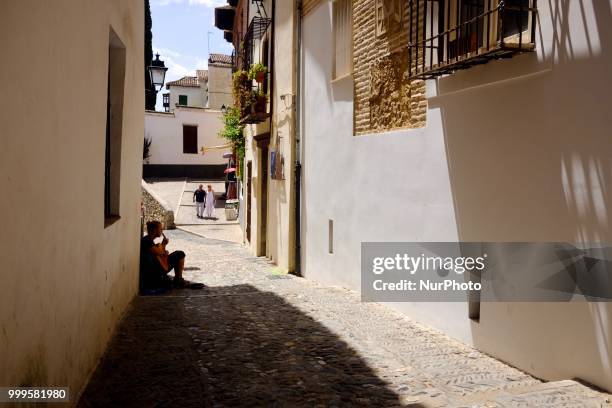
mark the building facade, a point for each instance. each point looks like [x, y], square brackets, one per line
[264, 32]
[187, 91]
[209, 88]
[219, 81]
[71, 165]
[177, 139]
[462, 140]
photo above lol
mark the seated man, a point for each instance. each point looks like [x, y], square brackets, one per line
[156, 262]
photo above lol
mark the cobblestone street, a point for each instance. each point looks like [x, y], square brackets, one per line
[256, 337]
[178, 194]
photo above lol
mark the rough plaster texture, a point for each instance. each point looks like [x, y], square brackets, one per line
[510, 152]
[66, 279]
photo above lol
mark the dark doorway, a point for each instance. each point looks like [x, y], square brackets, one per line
[190, 139]
[248, 200]
[264, 198]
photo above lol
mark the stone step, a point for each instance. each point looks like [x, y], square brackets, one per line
[555, 394]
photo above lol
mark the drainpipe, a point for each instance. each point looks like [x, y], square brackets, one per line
[297, 127]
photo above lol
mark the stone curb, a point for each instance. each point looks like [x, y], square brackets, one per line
[168, 212]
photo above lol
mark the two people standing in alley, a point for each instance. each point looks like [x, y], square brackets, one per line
[199, 197]
[205, 201]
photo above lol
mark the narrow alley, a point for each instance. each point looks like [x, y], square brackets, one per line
[403, 203]
[257, 337]
[178, 195]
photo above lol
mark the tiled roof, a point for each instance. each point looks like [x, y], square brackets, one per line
[187, 81]
[220, 59]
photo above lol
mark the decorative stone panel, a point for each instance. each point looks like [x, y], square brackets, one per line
[385, 99]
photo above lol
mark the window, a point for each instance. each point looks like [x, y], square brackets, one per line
[114, 124]
[166, 102]
[447, 35]
[343, 40]
[182, 100]
[190, 139]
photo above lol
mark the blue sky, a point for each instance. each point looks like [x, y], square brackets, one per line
[180, 35]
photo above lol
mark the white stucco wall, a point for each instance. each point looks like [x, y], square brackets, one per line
[515, 150]
[166, 133]
[65, 278]
[196, 97]
[219, 86]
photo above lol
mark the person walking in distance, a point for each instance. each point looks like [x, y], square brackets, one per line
[199, 197]
[210, 202]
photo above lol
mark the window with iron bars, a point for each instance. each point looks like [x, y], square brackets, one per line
[449, 35]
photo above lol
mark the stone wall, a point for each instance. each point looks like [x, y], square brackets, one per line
[154, 209]
[384, 97]
[309, 5]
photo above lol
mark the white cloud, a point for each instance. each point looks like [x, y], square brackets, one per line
[176, 70]
[165, 52]
[179, 65]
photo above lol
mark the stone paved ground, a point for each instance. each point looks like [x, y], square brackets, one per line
[187, 211]
[179, 195]
[169, 190]
[255, 337]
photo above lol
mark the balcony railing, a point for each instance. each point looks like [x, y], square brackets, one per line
[257, 28]
[450, 35]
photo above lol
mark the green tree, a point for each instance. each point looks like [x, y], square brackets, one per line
[150, 94]
[232, 131]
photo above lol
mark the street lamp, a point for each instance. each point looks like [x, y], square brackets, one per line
[157, 72]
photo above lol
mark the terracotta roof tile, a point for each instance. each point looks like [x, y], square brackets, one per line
[187, 81]
[220, 59]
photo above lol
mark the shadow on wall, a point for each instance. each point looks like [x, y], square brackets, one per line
[229, 346]
[530, 159]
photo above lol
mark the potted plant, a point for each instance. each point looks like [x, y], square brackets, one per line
[146, 151]
[260, 101]
[241, 90]
[258, 72]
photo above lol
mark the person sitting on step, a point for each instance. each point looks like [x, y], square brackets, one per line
[156, 262]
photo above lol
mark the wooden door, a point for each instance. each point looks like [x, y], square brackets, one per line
[264, 198]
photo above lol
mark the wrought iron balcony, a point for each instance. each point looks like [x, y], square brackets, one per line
[257, 28]
[450, 35]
